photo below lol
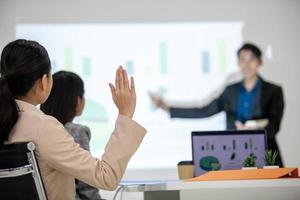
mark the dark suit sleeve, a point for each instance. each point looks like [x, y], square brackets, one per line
[212, 108]
[275, 112]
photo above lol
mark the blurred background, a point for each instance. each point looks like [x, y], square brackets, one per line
[181, 49]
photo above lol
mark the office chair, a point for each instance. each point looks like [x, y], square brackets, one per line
[19, 173]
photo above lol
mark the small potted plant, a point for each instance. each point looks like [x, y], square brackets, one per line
[250, 162]
[270, 158]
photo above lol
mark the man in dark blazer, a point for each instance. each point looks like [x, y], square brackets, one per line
[253, 98]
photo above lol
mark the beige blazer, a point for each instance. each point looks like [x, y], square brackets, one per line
[61, 159]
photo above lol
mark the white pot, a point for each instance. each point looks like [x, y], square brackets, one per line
[271, 167]
[249, 168]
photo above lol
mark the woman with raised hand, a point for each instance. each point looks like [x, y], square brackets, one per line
[26, 82]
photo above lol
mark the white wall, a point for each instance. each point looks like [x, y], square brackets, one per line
[267, 22]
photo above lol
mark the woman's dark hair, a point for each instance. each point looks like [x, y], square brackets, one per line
[22, 63]
[62, 102]
[251, 47]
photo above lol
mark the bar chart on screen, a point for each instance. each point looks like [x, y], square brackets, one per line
[180, 61]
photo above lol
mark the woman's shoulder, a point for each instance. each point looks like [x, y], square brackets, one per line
[37, 118]
[34, 125]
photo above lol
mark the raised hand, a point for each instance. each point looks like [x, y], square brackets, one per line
[123, 93]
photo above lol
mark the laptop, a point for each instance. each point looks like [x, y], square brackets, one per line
[226, 150]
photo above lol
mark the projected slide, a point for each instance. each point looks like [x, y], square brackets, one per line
[180, 61]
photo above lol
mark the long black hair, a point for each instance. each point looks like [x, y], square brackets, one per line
[62, 102]
[22, 63]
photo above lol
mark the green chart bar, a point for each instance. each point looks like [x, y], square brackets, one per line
[86, 66]
[69, 59]
[163, 52]
[222, 56]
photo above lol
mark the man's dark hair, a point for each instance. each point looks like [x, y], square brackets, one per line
[250, 47]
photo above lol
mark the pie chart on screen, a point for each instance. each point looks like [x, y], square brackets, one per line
[209, 163]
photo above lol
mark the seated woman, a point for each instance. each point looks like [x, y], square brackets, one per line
[66, 101]
[253, 98]
[26, 82]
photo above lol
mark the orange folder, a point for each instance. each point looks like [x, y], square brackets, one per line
[248, 174]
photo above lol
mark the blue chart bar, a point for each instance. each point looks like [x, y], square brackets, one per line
[205, 62]
[129, 67]
[251, 143]
[233, 144]
[207, 146]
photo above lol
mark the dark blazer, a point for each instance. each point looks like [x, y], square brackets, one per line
[268, 104]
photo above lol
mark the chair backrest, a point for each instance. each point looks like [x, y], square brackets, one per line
[19, 173]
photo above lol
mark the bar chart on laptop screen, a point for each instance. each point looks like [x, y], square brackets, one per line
[226, 152]
[179, 61]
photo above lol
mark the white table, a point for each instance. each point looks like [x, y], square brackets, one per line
[281, 189]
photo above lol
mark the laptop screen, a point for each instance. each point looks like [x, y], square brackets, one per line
[225, 150]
